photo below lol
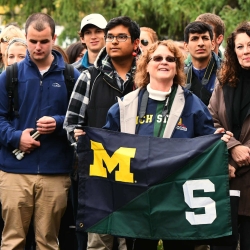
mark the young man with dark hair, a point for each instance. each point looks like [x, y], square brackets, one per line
[218, 29]
[97, 88]
[36, 185]
[92, 35]
[201, 72]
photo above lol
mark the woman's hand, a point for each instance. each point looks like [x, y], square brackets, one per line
[241, 155]
[226, 136]
[78, 132]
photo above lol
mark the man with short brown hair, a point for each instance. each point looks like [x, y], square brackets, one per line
[36, 183]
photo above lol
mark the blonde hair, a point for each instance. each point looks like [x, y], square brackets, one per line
[7, 34]
[142, 77]
[17, 41]
[151, 33]
[11, 32]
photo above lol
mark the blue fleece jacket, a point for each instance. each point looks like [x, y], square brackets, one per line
[38, 96]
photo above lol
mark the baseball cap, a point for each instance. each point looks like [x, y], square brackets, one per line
[94, 19]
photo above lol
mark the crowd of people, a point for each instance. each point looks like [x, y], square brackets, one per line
[113, 63]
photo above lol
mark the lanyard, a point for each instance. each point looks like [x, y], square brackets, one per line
[143, 107]
[206, 76]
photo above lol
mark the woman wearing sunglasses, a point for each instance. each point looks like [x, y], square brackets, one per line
[161, 107]
[147, 37]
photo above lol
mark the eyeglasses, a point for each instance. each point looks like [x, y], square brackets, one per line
[144, 42]
[170, 59]
[5, 39]
[119, 38]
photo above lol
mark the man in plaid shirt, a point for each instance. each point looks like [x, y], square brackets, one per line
[97, 88]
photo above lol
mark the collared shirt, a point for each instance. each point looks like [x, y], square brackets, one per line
[120, 82]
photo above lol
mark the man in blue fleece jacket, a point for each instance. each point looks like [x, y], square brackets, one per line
[36, 185]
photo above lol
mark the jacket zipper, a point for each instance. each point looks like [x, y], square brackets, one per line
[90, 90]
[39, 108]
[112, 86]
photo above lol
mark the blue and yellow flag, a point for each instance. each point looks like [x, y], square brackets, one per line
[153, 188]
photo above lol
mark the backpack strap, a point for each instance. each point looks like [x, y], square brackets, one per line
[69, 78]
[12, 89]
[188, 72]
[144, 103]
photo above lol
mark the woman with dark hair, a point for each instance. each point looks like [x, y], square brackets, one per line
[76, 51]
[160, 77]
[230, 109]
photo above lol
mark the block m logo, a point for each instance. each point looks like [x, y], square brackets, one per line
[121, 157]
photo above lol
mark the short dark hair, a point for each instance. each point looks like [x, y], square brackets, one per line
[133, 27]
[39, 21]
[197, 27]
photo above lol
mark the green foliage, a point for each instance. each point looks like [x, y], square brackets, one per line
[167, 17]
[19, 10]
[232, 16]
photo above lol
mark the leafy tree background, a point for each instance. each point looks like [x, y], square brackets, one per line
[167, 17]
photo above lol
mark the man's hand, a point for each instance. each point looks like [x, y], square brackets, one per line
[226, 137]
[241, 155]
[231, 171]
[78, 132]
[27, 143]
[46, 125]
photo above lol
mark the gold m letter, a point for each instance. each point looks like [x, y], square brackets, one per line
[121, 156]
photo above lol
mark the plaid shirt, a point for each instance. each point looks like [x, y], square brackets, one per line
[80, 96]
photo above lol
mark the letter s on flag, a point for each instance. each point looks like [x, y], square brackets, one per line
[197, 202]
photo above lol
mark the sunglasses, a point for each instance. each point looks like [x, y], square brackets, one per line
[170, 59]
[5, 39]
[144, 42]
